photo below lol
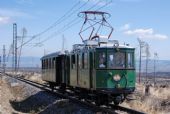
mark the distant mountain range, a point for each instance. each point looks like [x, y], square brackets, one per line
[26, 62]
[161, 65]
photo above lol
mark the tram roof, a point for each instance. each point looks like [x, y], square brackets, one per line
[119, 46]
[55, 54]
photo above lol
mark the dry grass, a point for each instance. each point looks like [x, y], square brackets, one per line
[36, 77]
[162, 93]
[156, 102]
[1, 82]
[30, 76]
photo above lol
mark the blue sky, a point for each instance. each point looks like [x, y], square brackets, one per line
[147, 19]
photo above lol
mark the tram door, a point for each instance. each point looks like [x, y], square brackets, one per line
[83, 72]
[91, 65]
[63, 69]
[58, 70]
[73, 70]
[78, 68]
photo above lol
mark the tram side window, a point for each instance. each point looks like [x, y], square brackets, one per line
[42, 64]
[73, 61]
[53, 63]
[50, 63]
[102, 60]
[82, 60]
[46, 64]
[130, 63]
[85, 60]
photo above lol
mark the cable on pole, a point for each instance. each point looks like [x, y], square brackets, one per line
[24, 31]
[68, 25]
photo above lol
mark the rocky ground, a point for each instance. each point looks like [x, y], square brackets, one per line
[20, 98]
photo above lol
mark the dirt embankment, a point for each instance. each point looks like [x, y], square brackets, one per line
[5, 96]
[20, 98]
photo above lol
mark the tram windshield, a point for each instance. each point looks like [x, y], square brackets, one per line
[116, 60]
[102, 60]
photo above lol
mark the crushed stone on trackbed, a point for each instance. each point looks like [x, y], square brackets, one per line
[22, 98]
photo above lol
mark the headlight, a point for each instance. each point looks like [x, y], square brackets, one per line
[116, 77]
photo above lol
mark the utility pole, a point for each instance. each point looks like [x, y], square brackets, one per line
[155, 57]
[0, 62]
[4, 59]
[141, 45]
[147, 59]
[14, 58]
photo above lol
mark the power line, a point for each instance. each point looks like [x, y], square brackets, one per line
[57, 22]
[24, 31]
[60, 31]
[69, 25]
[107, 3]
[10, 51]
[64, 28]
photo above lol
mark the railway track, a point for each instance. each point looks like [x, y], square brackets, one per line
[67, 95]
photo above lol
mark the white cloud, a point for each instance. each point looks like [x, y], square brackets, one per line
[14, 13]
[4, 20]
[125, 27]
[146, 33]
[139, 31]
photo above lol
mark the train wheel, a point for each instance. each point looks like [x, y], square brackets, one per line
[62, 88]
[98, 100]
[116, 103]
[52, 86]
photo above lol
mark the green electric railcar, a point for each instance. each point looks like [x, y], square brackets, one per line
[99, 69]
[104, 74]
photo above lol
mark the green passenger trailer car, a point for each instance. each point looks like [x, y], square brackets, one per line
[55, 69]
